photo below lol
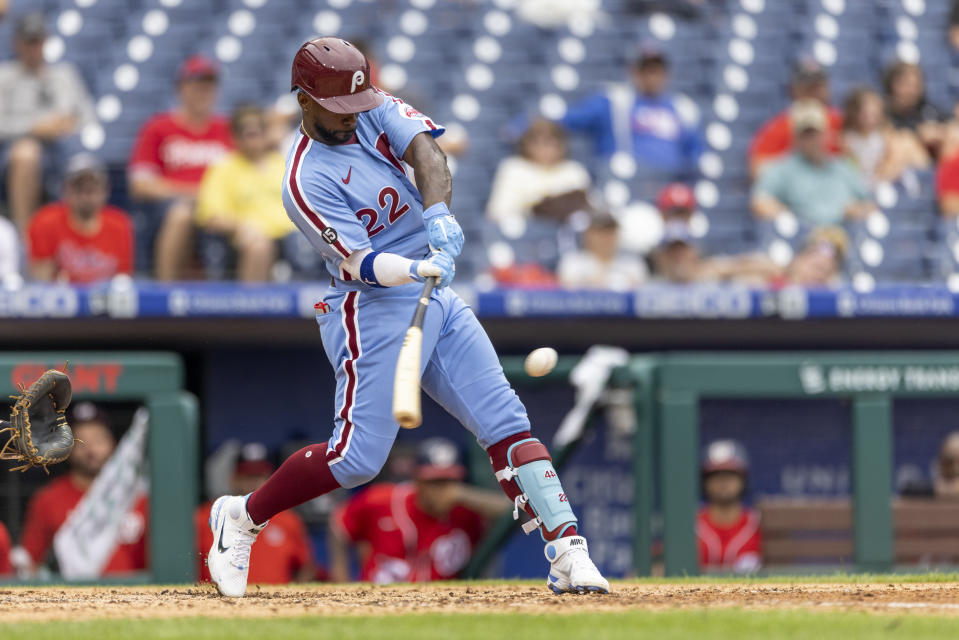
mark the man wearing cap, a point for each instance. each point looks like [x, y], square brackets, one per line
[284, 553]
[641, 120]
[42, 106]
[810, 182]
[169, 158]
[49, 508]
[775, 137]
[81, 238]
[727, 531]
[414, 532]
[676, 203]
[382, 230]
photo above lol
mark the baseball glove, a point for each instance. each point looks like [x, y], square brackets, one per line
[39, 433]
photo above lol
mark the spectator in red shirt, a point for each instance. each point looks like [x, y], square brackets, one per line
[775, 137]
[169, 158]
[81, 239]
[414, 532]
[726, 530]
[280, 557]
[947, 185]
[50, 507]
[5, 566]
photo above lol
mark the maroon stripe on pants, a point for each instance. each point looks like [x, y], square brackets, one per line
[349, 395]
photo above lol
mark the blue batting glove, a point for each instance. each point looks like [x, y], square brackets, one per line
[442, 229]
[438, 264]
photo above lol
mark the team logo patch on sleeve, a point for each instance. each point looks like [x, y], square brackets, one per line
[330, 235]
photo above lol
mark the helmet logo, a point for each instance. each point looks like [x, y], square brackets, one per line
[358, 78]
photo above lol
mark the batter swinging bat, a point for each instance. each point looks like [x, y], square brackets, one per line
[406, 384]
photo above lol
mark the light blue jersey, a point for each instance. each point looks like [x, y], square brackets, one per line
[350, 197]
[358, 195]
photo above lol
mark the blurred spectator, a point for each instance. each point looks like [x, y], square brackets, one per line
[48, 508]
[677, 260]
[727, 531]
[414, 532]
[946, 483]
[5, 567]
[551, 14]
[776, 136]
[820, 262]
[42, 108]
[170, 155]
[240, 198]
[525, 275]
[908, 108]
[540, 180]
[810, 182]
[278, 558]
[10, 254]
[882, 153]
[947, 185]
[642, 120]
[954, 25]
[600, 264]
[81, 239]
[676, 203]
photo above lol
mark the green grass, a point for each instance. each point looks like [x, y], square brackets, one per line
[633, 625]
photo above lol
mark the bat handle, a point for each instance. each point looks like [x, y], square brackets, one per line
[420, 312]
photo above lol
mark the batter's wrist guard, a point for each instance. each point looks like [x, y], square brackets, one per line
[438, 209]
[367, 271]
[530, 464]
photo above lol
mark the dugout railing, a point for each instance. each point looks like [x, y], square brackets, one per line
[668, 388]
[154, 380]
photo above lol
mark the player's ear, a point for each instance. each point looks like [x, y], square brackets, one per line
[303, 100]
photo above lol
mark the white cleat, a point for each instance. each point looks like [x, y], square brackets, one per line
[571, 569]
[233, 537]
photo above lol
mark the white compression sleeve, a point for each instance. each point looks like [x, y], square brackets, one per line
[391, 269]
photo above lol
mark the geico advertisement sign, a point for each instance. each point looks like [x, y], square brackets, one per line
[39, 302]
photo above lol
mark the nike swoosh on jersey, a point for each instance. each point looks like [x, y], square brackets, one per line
[346, 180]
[219, 539]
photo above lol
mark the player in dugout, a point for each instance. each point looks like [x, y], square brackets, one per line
[50, 507]
[5, 566]
[348, 188]
[284, 553]
[727, 531]
[415, 532]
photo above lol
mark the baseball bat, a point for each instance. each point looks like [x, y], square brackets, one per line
[406, 385]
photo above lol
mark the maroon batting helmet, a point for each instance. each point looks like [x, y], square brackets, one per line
[335, 74]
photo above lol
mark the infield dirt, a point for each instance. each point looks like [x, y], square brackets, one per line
[24, 604]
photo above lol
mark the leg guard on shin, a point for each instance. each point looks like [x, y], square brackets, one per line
[530, 464]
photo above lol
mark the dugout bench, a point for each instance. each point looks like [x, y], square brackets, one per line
[808, 533]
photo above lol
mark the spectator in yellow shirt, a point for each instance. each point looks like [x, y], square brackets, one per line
[240, 197]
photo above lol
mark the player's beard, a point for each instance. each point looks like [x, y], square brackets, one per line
[332, 137]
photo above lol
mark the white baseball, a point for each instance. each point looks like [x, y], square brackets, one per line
[541, 361]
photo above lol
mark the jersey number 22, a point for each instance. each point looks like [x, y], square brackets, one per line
[388, 197]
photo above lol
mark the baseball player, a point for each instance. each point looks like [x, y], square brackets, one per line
[382, 228]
